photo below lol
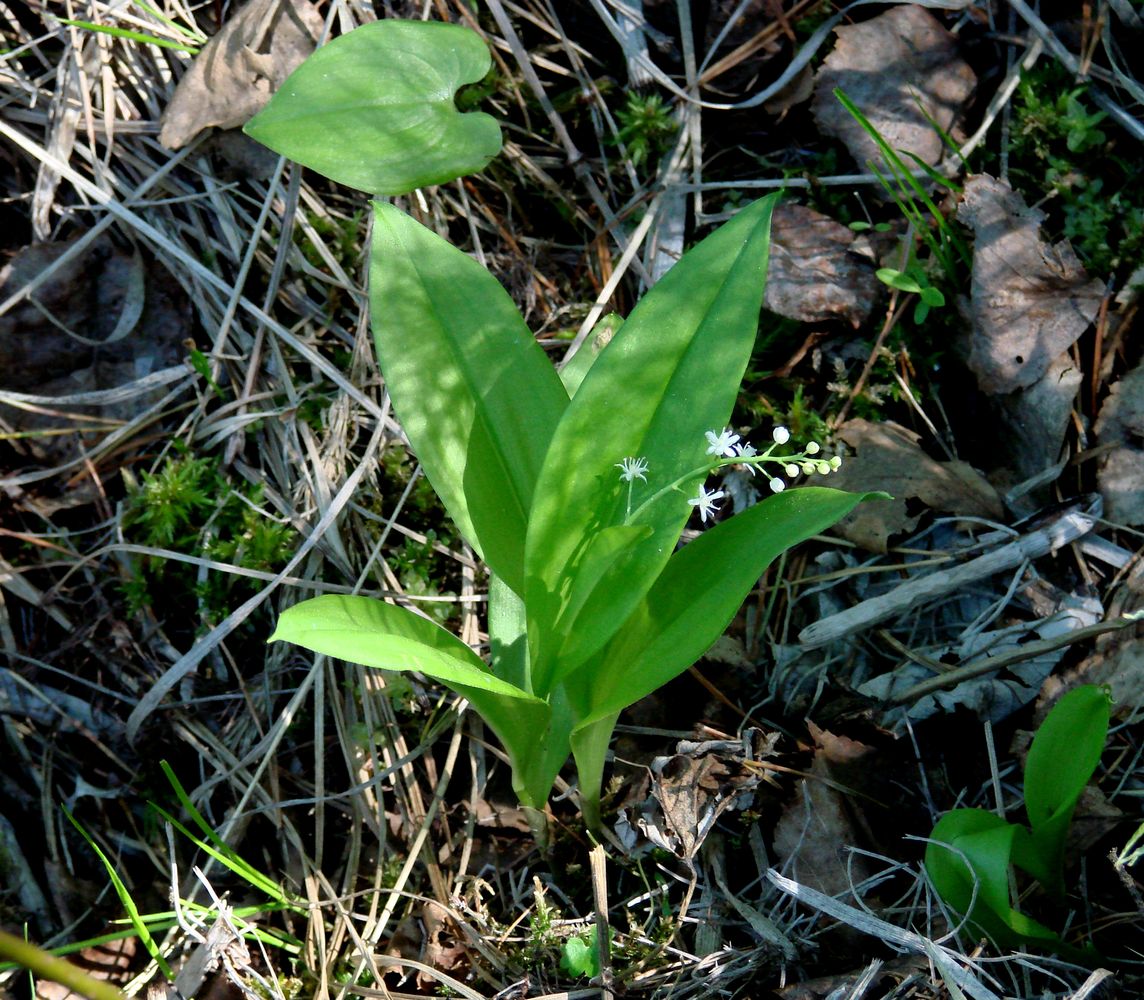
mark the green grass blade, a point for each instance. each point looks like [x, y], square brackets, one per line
[227, 857]
[185, 801]
[129, 35]
[137, 923]
[193, 34]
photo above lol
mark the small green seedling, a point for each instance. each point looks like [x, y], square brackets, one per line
[573, 491]
[926, 219]
[913, 279]
[971, 851]
[580, 955]
[646, 126]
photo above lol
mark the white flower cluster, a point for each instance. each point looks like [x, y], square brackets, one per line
[726, 445]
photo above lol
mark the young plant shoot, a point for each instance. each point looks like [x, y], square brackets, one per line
[573, 491]
[971, 851]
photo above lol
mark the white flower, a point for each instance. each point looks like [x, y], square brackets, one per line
[722, 443]
[706, 502]
[632, 468]
[777, 485]
[781, 435]
[747, 451]
[836, 462]
[822, 468]
[812, 448]
[791, 470]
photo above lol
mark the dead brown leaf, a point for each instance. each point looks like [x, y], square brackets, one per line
[1118, 659]
[814, 833]
[103, 319]
[898, 68]
[889, 458]
[693, 791]
[815, 273]
[238, 70]
[1037, 419]
[1029, 300]
[430, 939]
[1121, 424]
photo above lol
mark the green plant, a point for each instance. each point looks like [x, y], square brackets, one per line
[910, 195]
[971, 852]
[1058, 149]
[946, 248]
[374, 109]
[188, 506]
[913, 279]
[646, 126]
[574, 493]
[580, 955]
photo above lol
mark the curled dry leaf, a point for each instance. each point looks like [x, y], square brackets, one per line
[693, 788]
[815, 272]
[1121, 424]
[903, 71]
[234, 75]
[693, 791]
[889, 458]
[1029, 300]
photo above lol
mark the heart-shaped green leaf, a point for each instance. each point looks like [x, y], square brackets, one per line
[374, 109]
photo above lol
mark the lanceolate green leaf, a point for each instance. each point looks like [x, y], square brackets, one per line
[573, 372]
[590, 748]
[671, 372]
[1062, 758]
[375, 634]
[508, 634]
[374, 109]
[475, 393]
[701, 589]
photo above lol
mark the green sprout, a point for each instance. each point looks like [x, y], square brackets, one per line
[972, 852]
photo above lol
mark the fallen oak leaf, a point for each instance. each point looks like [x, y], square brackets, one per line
[889, 455]
[903, 72]
[1029, 300]
[234, 75]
